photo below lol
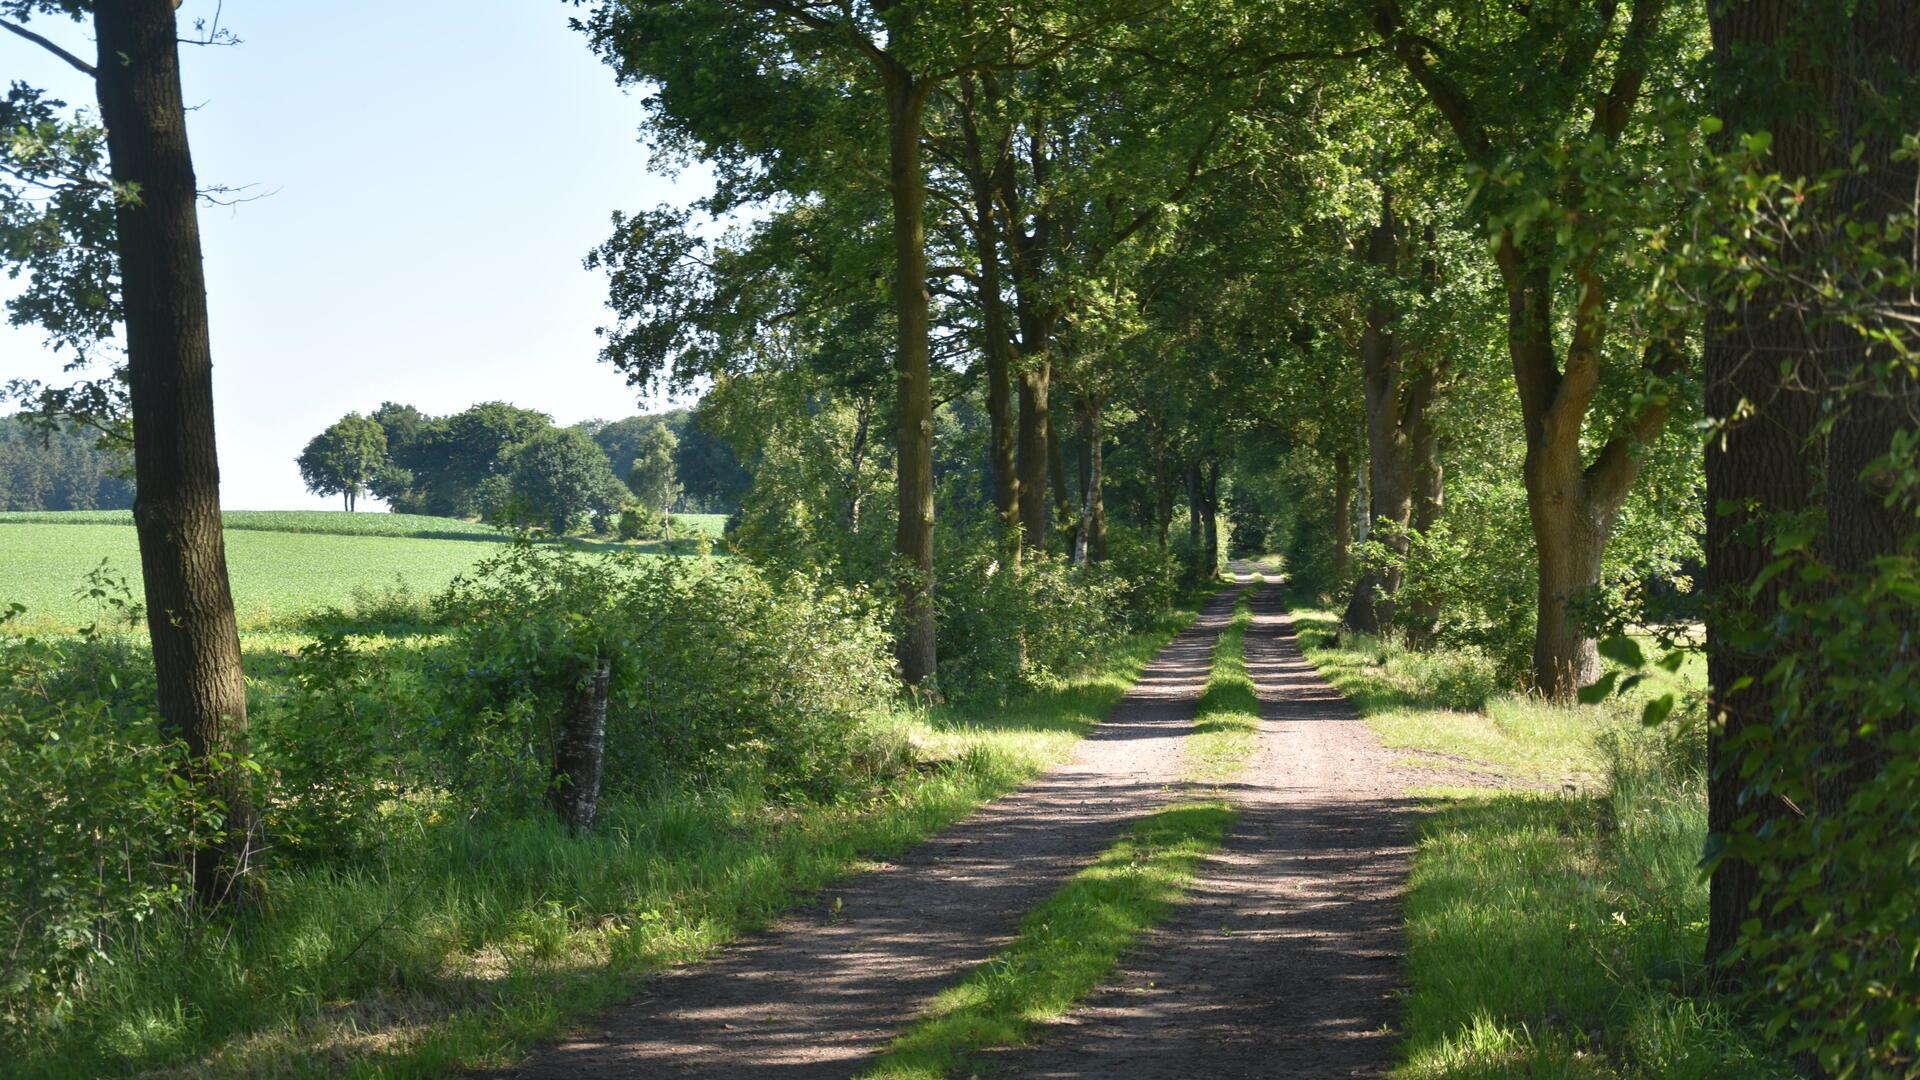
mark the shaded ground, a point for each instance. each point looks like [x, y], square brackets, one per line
[1285, 959]
[828, 987]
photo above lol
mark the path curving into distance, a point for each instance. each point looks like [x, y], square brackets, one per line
[822, 991]
[1284, 959]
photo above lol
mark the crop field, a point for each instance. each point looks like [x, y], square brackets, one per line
[284, 564]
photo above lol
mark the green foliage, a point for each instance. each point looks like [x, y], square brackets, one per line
[719, 674]
[651, 476]
[95, 818]
[345, 458]
[558, 479]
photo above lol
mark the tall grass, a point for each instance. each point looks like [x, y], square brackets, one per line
[463, 941]
[1554, 932]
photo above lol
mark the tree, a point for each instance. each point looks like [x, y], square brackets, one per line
[1564, 174]
[558, 478]
[346, 458]
[651, 475]
[162, 306]
[1812, 389]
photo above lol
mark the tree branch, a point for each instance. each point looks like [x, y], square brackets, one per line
[78, 64]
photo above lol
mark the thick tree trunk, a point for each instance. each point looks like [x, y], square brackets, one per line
[1162, 492]
[1570, 541]
[1760, 469]
[1063, 500]
[580, 751]
[1342, 514]
[1036, 435]
[906, 101]
[1389, 448]
[196, 643]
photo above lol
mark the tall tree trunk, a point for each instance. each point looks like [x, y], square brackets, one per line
[1389, 448]
[1036, 436]
[1057, 474]
[196, 643]
[1210, 499]
[1090, 540]
[906, 102]
[1342, 514]
[1162, 489]
[1196, 517]
[1429, 494]
[1760, 469]
[995, 327]
[580, 751]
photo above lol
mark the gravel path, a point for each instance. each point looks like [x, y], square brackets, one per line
[1284, 961]
[823, 990]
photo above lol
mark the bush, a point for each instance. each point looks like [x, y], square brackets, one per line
[94, 817]
[718, 674]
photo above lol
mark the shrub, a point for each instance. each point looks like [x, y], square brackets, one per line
[718, 674]
[94, 816]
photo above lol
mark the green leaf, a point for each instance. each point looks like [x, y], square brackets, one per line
[1657, 710]
[1623, 651]
[1598, 692]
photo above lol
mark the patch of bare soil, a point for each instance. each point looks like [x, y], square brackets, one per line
[1285, 959]
[826, 988]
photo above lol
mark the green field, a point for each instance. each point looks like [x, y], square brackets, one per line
[284, 564]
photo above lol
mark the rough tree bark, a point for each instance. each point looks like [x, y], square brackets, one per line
[580, 751]
[1429, 492]
[183, 562]
[906, 107]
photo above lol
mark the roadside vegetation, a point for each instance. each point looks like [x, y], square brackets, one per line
[1556, 916]
[418, 912]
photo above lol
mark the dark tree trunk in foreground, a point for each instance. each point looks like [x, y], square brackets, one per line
[1389, 448]
[1771, 362]
[580, 751]
[906, 105]
[183, 562]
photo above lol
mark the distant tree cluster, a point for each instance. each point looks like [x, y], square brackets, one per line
[45, 468]
[509, 465]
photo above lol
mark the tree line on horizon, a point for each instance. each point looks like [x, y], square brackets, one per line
[61, 467]
[501, 463]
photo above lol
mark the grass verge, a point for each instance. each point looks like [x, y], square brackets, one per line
[1068, 945]
[1549, 934]
[469, 941]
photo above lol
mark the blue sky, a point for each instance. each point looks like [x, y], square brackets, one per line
[438, 168]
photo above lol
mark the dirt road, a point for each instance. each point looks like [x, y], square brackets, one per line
[1282, 962]
[823, 990]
